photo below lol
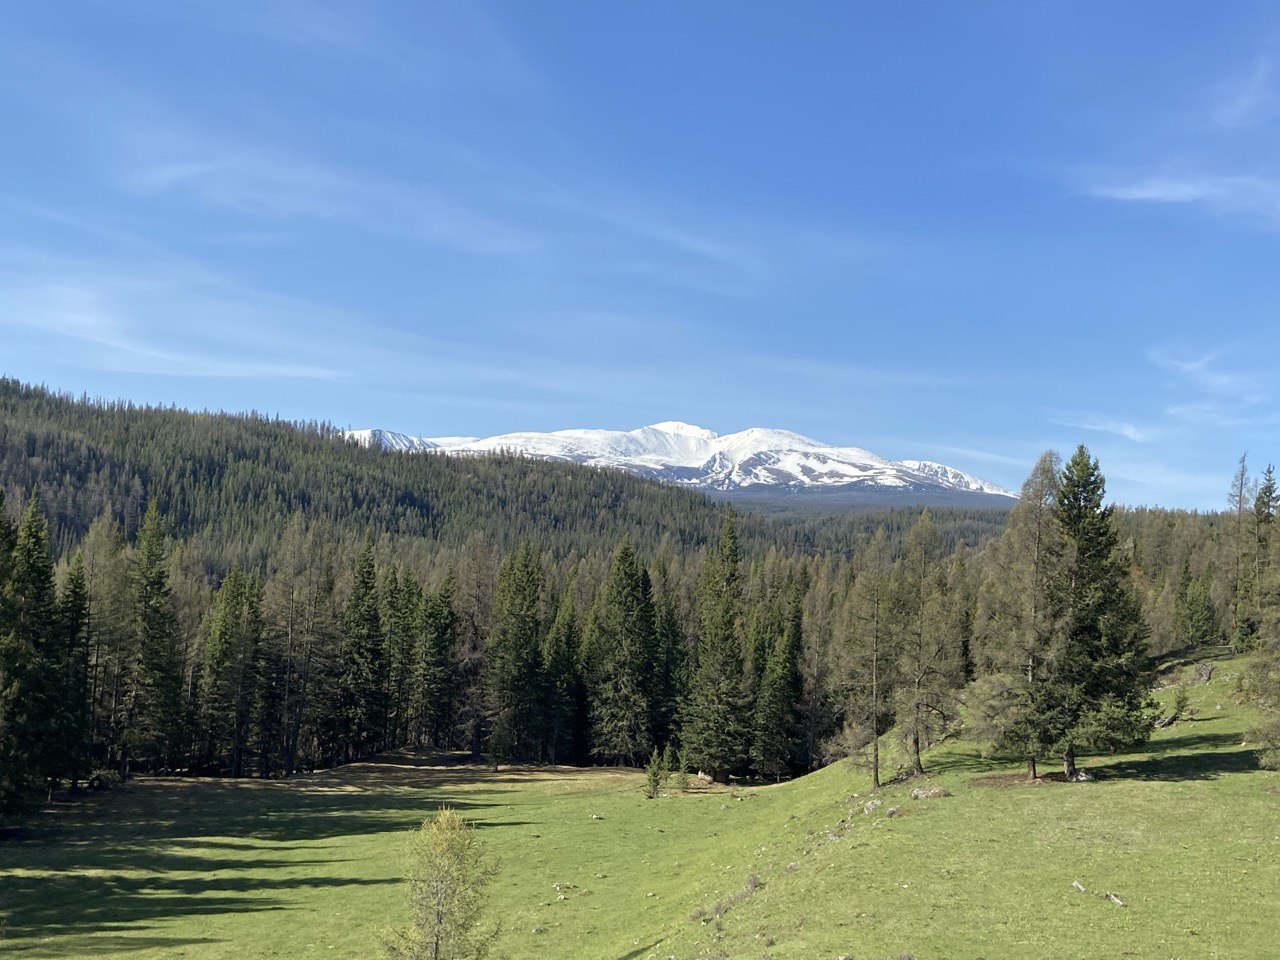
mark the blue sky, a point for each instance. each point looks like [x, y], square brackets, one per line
[956, 231]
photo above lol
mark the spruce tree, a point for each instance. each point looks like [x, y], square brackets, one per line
[401, 606]
[231, 670]
[715, 726]
[669, 673]
[1102, 673]
[15, 663]
[363, 662]
[1195, 618]
[31, 658]
[560, 668]
[515, 701]
[431, 689]
[773, 745]
[73, 697]
[153, 701]
[623, 640]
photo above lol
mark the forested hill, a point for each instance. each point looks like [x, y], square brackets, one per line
[235, 480]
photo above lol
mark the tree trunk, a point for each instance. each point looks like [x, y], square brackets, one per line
[1069, 762]
[875, 759]
[1032, 776]
[917, 766]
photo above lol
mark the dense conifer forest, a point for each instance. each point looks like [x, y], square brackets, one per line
[234, 595]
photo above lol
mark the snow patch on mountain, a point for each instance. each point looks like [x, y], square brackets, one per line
[757, 459]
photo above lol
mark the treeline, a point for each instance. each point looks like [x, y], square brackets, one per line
[153, 646]
[760, 668]
[232, 483]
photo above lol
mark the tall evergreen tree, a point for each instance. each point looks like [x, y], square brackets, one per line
[774, 743]
[669, 673]
[30, 658]
[153, 715]
[401, 607]
[1195, 618]
[623, 641]
[515, 659]
[232, 670]
[363, 703]
[73, 668]
[560, 668]
[431, 689]
[715, 726]
[1102, 671]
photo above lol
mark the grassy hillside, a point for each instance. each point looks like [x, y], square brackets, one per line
[1185, 832]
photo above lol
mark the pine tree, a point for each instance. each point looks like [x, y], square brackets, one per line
[73, 697]
[623, 640]
[153, 699]
[714, 726]
[31, 658]
[1195, 618]
[112, 639]
[773, 746]
[430, 698]
[363, 672]
[515, 655]
[401, 606]
[231, 670]
[1102, 672]
[668, 676]
[16, 772]
[560, 668]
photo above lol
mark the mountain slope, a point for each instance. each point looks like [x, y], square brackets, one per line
[756, 463]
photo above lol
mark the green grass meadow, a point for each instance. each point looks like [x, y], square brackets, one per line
[1186, 832]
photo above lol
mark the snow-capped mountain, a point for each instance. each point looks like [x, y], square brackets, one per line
[756, 461]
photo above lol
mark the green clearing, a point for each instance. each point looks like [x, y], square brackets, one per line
[1187, 832]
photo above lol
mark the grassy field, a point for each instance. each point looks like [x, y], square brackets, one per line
[1185, 832]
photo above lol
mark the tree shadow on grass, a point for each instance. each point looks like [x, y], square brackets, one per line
[43, 907]
[94, 946]
[639, 951]
[1198, 756]
[202, 848]
[1193, 756]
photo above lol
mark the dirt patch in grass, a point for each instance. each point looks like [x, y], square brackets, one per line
[1018, 780]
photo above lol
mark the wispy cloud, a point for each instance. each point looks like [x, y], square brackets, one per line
[282, 188]
[116, 318]
[1119, 428]
[1245, 98]
[1253, 197]
[1207, 373]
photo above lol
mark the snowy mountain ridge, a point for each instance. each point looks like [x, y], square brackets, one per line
[756, 460]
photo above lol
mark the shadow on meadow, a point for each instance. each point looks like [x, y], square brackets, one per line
[87, 904]
[1188, 756]
[203, 845]
[1193, 756]
[87, 946]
